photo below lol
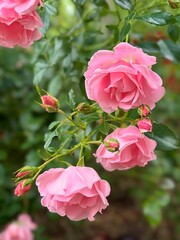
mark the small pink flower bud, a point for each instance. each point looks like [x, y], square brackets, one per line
[112, 144]
[143, 110]
[22, 188]
[22, 174]
[50, 103]
[26, 170]
[145, 125]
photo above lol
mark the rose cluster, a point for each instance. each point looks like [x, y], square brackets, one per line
[120, 79]
[123, 79]
[19, 23]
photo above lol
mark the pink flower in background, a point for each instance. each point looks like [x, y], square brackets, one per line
[22, 32]
[77, 192]
[145, 125]
[135, 149]
[123, 79]
[20, 229]
[19, 23]
[12, 10]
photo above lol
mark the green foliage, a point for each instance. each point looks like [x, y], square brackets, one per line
[125, 4]
[57, 64]
[165, 138]
[158, 18]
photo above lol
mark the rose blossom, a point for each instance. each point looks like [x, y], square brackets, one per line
[145, 125]
[123, 79]
[12, 10]
[20, 229]
[19, 23]
[77, 192]
[135, 149]
[23, 32]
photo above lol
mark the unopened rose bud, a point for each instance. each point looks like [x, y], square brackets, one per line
[143, 110]
[174, 3]
[22, 174]
[27, 170]
[145, 125]
[50, 103]
[112, 144]
[22, 188]
[84, 107]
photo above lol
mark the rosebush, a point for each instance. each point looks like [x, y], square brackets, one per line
[60, 60]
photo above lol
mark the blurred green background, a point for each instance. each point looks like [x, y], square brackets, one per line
[144, 202]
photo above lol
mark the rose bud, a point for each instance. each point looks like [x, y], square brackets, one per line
[22, 188]
[50, 103]
[22, 174]
[143, 110]
[26, 170]
[145, 125]
[112, 144]
[84, 107]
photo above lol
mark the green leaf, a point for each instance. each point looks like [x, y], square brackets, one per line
[125, 4]
[55, 85]
[92, 117]
[39, 71]
[46, 21]
[152, 211]
[71, 99]
[104, 127]
[132, 114]
[51, 10]
[149, 47]
[124, 31]
[169, 50]
[173, 31]
[80, 2]
[53, 124]
[101, 3]
[165, 138]
[158, 18]
[56, 53]
[49, 137]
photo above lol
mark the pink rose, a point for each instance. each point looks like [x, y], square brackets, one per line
[77, 192]
[123, 79]
[20, 229]
[12, 10]
[145, 125]
[22, 32]
[135, 149]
